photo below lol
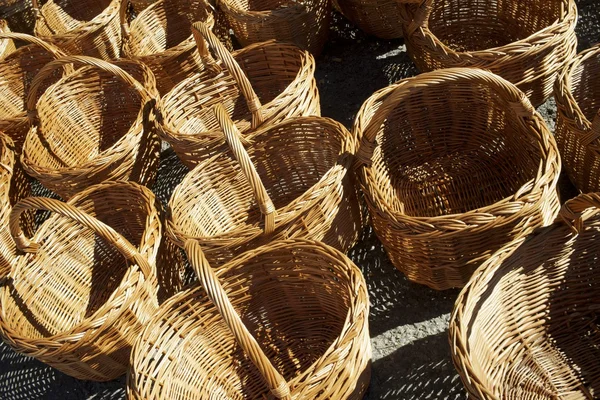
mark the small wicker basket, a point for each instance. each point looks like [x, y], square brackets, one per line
[7, 46]
[527, 326]
[454, 164]
[287, 321]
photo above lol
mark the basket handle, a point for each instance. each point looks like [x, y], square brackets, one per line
[579, 209]
[594, 132]
[125, 28]
[233, 137]
[419, 18]
[67, 210]
[53, 50]
[276, 382]
[205, 37]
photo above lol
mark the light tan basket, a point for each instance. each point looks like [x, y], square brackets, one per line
[93, 125]
[577, 94]
[82, 292]
[287, 321]
[526, 42]
[88, 27]
[260, 85]
[454, 164]
[527, 326]
[7, 46]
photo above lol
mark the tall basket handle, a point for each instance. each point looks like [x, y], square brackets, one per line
[125, 28]
[276, 382]
[233, 137]
[579, 209]
[67, 210]
[204, 36]
[53, 50]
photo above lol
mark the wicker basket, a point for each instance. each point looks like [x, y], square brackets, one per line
[140, 5]
[526, 42]
[577, 94]
[304, 23]
[287, 321]
[19, 14]
[527, 326]
[82, 293]
[454, 164]
[89, 27]
[294, 181]
[261, 85]
[92, 125]
[7, 46]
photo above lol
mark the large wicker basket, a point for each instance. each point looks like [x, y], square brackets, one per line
[260, 85]
[7, 46]
[287, 321]
[88, 27]
[293, 181]
[82, 292]
[454, 164]
[527, 326]
[577, 94]
[93, 125]
[526, 42]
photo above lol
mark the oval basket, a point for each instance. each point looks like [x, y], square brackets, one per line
[454, 164]
[577, 94]
[93, 125]
[527, 326]
[289, 320]
[526, 42]
[7, 46]
[82, 292]
[260, 85]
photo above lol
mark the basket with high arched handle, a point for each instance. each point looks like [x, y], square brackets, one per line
[526, 42]
[287, 321]
[287, 180]
[86, 283]
[450, 179]
[577, 94]
[259, 85]
[7, 46]
[93, 125]
[528, 323]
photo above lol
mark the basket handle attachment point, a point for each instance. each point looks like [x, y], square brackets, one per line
[579, 209]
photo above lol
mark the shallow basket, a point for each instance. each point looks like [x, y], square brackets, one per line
[93, 125]
[290, 318]
[7, 46]
[577, 94]
[526, 42]
[259, 85]
[527, 326]
[86, 284]
[88, 27]
[454, 164]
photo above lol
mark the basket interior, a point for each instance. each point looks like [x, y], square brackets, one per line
[81, 10]
[452, 149]
[262, 5]
[585, 86]
[471, 25]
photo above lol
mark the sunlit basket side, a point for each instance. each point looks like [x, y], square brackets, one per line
[7, 46]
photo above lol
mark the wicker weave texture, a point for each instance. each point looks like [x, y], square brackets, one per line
[19, 14]
[454, 164]
[527, 326]
[288, 320]
[7, 46]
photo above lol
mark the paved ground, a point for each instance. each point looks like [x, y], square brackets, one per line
[411, 356]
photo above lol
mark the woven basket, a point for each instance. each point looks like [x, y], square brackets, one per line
[82, 293]
[526, 42]
[260, 85]
[527, 326]
[577, 94]
[140, 5]
[293, 182]
[304, 23]
[92, 125]
[7, 46]
[454, 164]
[19, 15]
[17, 71]
[289, 320]
[89, 27]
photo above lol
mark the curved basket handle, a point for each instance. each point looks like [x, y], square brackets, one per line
[276, 382]
[233, 137]
[594, 132]
[53, 50]
[579, 209]
[125, 28]
[419, 18]
[67, 210]
[36, 9]
[203, 36]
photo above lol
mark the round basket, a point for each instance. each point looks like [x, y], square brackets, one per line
[93, 125]
[294, 181]
[289, 320]
[526, 42]
[527, 326]
[304, 23]
[577, 94]
[89, 27]
[82, 292]
[260, 85]
[454, 164]
[7, 46]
